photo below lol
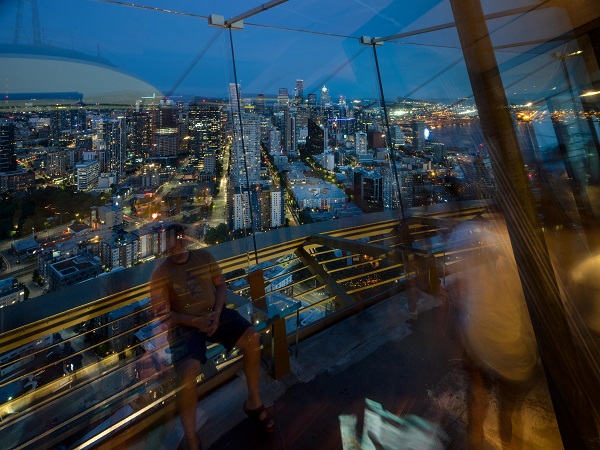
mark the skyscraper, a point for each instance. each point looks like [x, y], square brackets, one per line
[234, 90]
[397, 136]
[141, 134]
[115, 137]
[291, 145]
[56, 162]
[260, 104]
[325, 98]
[60, 119]
[241, 209]
[245, 159]
[283, 98]
[360, 143]
[183, 131]
[8, 159]
[242, 217]
[299, 92]
[368, 189]
[206, 128]
[418, 143]
[274, 141]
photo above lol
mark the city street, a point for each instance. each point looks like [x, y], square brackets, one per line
[220, 211]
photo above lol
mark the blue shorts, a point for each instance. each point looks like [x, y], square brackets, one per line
[190, 343]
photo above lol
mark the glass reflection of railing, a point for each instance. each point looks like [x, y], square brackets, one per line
[117, 368]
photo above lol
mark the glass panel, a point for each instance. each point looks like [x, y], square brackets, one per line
[119, 120]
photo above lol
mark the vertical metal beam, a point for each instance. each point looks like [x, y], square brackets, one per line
[256, 280]
[572, 391]
[280, 353]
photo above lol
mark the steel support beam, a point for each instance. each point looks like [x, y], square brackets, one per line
[316, 269]
[363, 248]
[445, 26]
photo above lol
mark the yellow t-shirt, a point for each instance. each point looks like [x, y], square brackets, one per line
[188, 286]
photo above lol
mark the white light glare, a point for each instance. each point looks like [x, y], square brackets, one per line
[590, 93]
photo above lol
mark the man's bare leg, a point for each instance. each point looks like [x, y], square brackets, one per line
[187, 401]
[250, 344]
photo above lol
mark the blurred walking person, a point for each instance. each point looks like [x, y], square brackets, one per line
[500, 347]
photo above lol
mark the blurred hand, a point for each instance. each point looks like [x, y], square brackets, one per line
[214, 323]
[208, 323]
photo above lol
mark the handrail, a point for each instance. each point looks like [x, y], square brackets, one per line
[388, 278]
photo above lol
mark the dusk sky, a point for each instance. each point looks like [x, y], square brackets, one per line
[159, 47]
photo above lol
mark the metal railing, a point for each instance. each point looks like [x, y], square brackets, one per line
[124, 381]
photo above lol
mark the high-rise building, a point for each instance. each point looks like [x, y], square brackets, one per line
[390, 189]
[115, 138]
[439, 152]
[368, 188]
[234, 91]
[302, 116]
[260, 104]
[328, 161]
[120, 250]
[376, 138]
[60, 119]
[8, 159]
[283, 97]
[302, 134]
[418, 143]
[165, 143]
[96, 155]
[299, 92]
[79, 119]
[397, 136]
[56, 163]
[360, 143]
[274, 141]
[140, 134]
[278, 120]
[245, 154]
[325, 98]
[206, 129]
[86, 175]
[342, 106]
[155, 238]
[291, 144]
[245, 149]
[183, 131]
[272, 208]
[241, 210]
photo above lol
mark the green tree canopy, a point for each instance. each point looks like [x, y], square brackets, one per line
[215, 235]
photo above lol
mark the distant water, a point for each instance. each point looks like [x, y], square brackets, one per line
[469, 136]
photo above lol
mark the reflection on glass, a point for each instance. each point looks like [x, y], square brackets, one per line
[282, 143]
